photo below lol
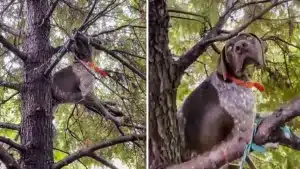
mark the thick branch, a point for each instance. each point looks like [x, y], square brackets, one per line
[278, 118]
[190, 56]
[268, 131]
[8, 160]
[11, 143]
[87, 151]
[10, 85]
[9, 126]
[12, 48]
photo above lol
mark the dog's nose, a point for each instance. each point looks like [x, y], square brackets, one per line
[241, 46]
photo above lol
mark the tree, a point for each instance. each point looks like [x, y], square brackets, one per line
[35, 36]
[184, 43]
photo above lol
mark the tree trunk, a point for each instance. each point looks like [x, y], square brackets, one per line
[36, 125]
[165, 143]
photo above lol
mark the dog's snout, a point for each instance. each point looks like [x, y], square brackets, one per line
[241, 46]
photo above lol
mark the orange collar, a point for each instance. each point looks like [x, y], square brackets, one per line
[92, 65]
[257, 85]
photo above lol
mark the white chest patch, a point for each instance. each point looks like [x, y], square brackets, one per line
[237, 100]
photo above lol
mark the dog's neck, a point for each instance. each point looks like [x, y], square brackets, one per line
[231, 72]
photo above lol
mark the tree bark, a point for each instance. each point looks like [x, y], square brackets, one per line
[36, 125]
[163, 82]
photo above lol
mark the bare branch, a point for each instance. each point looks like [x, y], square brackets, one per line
[49, 13]
[15, 86]
[215, 48]
[7, 6]
[188, 13]
[87, 151]
[244, 26]
[190, 56]
[12, 48]
[112, 30]
[11, 30]
[9, 126]
[11, 143]
[102, 160]
[91, 12]
[185, 18]
[127, 53]
[61, 52]
[8, 160]
[251, 3]
[95, 18]
[10, 97]
[268, 131]
[51, 10]
[275, 38]
[57, 149]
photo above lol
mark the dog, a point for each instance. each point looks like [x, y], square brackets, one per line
[221, 107]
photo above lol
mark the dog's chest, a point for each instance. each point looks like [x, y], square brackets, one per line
[82, 71]
[237, 100]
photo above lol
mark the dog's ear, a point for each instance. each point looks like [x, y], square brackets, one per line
[263, 47]
[221, 67]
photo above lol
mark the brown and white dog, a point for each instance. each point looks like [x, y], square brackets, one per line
[75, 84]
[221, 107]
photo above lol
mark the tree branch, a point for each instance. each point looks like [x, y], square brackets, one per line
[268, 131]
[191, 56]
[9, 126]
[15, 86]
[90, 12]
[12, 143]
[111, 30]
[244, 26]
[61, 52]
[8, 160]
[11, 30]
[49, 13]
[95, 18]
[10, 97]
[98, 46]
[87, 151]
[187, 13]
[12, 48]
[127, 53]
[275, 38]
[102, 160]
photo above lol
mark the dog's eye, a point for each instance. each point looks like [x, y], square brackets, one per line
[249, 37]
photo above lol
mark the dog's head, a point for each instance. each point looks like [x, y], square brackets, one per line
[81, 48]
[240, 51]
